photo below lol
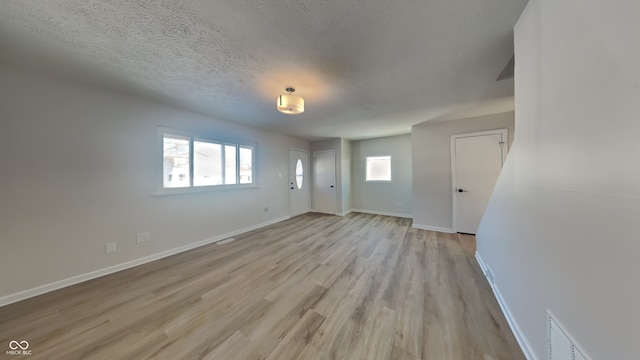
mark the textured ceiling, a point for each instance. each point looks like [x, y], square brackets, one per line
[365, 68]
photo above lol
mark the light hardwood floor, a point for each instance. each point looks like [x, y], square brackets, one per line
[314, 287]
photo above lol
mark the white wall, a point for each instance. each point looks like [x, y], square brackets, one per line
[383, 197]
[431, 148]
[560, 232]
[79, 170]
[345, 184]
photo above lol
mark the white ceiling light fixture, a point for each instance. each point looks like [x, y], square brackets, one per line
[289, 103]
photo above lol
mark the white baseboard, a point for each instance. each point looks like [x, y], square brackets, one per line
[39, 290]
[483, 266]
[345, 213]
[409, 216]
[517, 332]
[433, 228]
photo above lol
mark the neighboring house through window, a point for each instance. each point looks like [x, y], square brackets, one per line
[190, 162]
[378, 168]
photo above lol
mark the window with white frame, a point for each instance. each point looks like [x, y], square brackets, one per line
[378, 168]
[191, 162]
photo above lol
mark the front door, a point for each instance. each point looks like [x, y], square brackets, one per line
[298, 182]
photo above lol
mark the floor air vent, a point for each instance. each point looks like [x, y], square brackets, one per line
[561, 344]
[225, 241]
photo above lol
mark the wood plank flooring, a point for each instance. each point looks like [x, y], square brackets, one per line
[314, 287]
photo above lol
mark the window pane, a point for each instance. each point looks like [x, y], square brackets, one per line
[207, 163]
[299, 174]
[175, 168]
[379, 168]
[246, 165]
[230, 164]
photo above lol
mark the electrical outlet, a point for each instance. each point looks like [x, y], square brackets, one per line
[142, 237]
[110, 248]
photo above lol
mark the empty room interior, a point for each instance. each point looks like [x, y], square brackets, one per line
[442, 179]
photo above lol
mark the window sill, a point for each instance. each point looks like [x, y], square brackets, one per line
[202, 189]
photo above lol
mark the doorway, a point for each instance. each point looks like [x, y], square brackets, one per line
[324, 181]
[299, 195]
[476, 162]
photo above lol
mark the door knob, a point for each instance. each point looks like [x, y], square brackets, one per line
[460, 190]
[332, 186]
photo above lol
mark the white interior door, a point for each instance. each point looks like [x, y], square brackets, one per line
[325, 181]
[299, 195]
[476, 161]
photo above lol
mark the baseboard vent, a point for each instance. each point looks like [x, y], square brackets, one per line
[561, 345]
[225, 241]
[490, 276]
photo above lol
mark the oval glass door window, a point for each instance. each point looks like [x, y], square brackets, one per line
[299, 174]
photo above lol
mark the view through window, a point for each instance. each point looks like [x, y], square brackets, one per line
[378, 168]
[193, 162]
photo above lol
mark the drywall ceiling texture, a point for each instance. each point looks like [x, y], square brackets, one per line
[365, 68]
